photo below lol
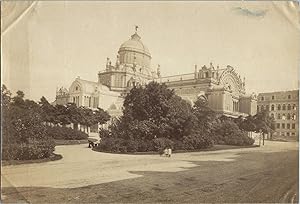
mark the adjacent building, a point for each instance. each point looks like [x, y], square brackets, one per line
[222, 87]
[283, 107]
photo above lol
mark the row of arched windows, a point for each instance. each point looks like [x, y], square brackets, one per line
[277, 107]
[284, 116]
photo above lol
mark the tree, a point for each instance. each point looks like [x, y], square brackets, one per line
[264, 123]
[74, 114]
[157, 107]
[5, 107]
[61, 115]
[5, 96]
[150, 102]
[153, 118]
[100, 116]
[23, 133]
[47, 111]
[246, 124]
[228, 132]
[206, 117]
[18, 100]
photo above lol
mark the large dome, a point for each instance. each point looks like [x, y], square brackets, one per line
[134, 53]
[135, 44]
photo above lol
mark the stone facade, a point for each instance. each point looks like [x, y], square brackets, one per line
[283, 107]
[222, 87]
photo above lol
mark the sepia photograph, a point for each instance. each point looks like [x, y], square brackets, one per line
[150, 101]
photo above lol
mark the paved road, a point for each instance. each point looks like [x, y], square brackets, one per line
[265, 174]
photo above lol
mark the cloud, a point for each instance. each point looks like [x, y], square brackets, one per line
[250, 13]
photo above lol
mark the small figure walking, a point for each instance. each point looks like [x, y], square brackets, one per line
[169, 152]
[165, 152]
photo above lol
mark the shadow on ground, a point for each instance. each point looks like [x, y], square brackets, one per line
[251, 177]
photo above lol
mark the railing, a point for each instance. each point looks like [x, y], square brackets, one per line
[178, 77]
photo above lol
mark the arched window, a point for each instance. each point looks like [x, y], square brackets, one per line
[283, 107]
[272, 115]
[279, 116]
[289, 106]
[272, 107]
[262, 108]
[283, 117]
[288, 116]
[279, 107]
[294, 107]
[294, 117]
[267, 107]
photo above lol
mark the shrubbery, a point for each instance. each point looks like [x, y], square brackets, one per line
[23, 133]
[65, 133]
[228, 132]
[196, 141]
[24, 151]
[154, 118]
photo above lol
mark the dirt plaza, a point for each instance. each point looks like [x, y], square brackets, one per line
[83, 175]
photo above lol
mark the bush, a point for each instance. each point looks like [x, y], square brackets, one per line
[25, 136]
[31, 151]
[162, 143]
[196, 141]
[227, 132]
[64, 133]
[113, 144]
[23, 133]
[155, 118]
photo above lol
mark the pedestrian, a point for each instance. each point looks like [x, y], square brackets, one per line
[169, 152]
[166, 152]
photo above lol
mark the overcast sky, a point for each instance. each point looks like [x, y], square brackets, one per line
[69, 39]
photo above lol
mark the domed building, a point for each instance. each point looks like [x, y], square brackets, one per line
[131, 68]
[133, 51]
[223, 88]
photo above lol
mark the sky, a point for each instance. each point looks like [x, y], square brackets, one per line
[54, 42]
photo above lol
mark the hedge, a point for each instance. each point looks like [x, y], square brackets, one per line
[64, 133]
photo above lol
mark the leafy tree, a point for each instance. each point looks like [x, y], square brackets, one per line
[47, 111]
[206, 117]
[5, 107]
[61, 115]
[24, 134]
[153, 118]
[100, 116]
[264, 123]
[5, 97]
[228, 132]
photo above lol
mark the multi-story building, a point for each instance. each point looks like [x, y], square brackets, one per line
[222, 87]
[283, 107]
